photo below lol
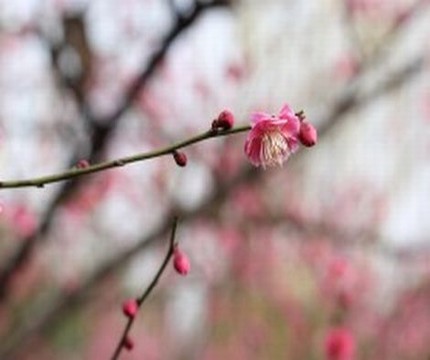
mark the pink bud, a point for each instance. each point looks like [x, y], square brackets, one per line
[128, 343]
[130, 308]
[181, 262]
[224, 121]
[180, 158]
[339, 344]
[308, 134]
[82, 164]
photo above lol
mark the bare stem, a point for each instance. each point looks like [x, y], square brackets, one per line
[75, 172]
[140, 300]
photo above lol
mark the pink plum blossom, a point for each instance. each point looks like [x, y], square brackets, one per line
[272, 137]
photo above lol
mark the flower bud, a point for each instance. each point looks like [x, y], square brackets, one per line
[339, 344]
[308, 134]
[181, 262]
[130, 308]
[128, 343]
[82, 164]
[180, 158]
[224, 121]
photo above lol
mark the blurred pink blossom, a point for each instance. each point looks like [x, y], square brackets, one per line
[363, 6]
[346, 67]
[23, 220]
[339, 344]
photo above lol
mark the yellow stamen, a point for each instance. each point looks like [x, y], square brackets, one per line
[274, 149]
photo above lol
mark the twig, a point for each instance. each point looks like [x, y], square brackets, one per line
[148, 291]
[43, 180]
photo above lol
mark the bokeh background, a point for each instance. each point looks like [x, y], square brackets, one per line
[325, 258]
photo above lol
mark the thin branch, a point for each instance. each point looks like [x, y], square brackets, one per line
[75, 172]
[397, 28]
[148, 291]
[352, 31]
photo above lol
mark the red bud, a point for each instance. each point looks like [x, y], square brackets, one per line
[308, 134]
[128, 343]
[225, 120]
[130, 308]
[82, 164]
[181, 263]
[180, 158]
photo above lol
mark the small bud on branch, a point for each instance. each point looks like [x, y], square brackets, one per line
[128, 343]
[130, 308]
[308, 134]
[181, 263]
[82, 164]
[180, 158]
[225, 121]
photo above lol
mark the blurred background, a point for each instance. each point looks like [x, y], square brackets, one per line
[325, 258]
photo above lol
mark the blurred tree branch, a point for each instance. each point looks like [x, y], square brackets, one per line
[100, 130]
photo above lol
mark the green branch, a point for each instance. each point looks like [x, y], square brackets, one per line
[75, 172]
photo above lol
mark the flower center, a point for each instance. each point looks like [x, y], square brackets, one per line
[274, 149]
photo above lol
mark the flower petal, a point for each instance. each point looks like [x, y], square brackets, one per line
[293, 144]
[253, 148]
[259, 116]
[286, 112]
[291, 127]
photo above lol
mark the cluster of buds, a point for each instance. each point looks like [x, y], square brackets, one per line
[272, 139]
[130, 307]
[223, 122]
